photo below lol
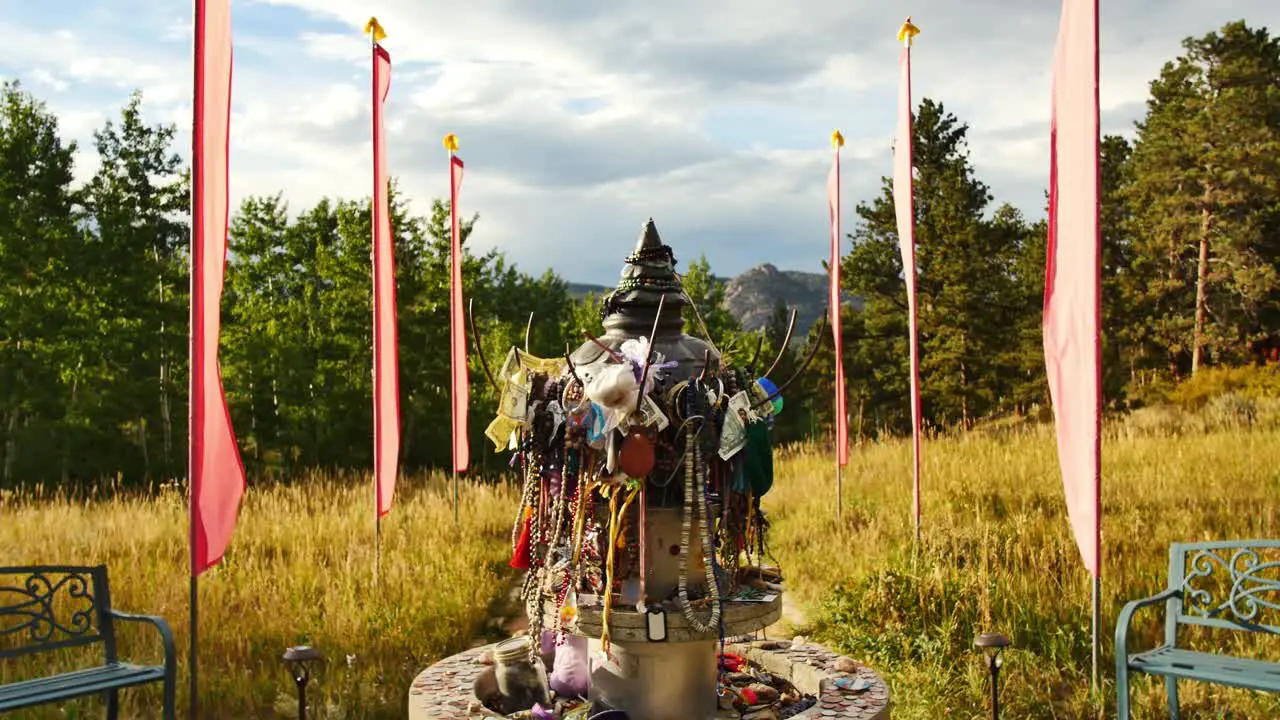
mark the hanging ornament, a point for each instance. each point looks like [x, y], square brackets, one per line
[769, 389]
[636, 457]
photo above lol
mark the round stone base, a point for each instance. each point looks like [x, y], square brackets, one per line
[444, 691]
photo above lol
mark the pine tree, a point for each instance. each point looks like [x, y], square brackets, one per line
[43, 336]
[963, 284]
[1206, 176]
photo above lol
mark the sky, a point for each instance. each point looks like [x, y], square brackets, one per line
[580, 119]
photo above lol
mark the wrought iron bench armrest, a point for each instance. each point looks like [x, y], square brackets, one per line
[160, 624]
[170, 655]
[1126, 615]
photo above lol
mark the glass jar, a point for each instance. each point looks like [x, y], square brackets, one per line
[520, 675]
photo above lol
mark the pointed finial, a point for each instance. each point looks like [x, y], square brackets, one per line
[649, 239]
[451, 143]
[373, 27]
[907, 32]
[837, 140]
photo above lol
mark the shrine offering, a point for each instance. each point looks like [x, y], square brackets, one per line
[644, 456]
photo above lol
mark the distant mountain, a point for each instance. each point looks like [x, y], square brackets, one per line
[578, 290]
[752, 296]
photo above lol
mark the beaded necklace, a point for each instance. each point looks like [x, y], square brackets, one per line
[692, 464]
[617, 520]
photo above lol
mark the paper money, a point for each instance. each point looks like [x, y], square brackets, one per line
[740, 404]
[514, 402]
[733, 435]
[651, 415]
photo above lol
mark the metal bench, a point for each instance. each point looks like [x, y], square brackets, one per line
[1231, 585]
[47, 608]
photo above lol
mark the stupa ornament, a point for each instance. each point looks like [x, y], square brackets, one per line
[644, 456]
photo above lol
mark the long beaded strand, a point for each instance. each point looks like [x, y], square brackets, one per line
[693, 459]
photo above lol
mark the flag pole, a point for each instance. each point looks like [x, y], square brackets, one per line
[906, 226]
[841, 417]
[452, 351]
[453, 412]
[197, 103]
[372, 28]
[1097, 308]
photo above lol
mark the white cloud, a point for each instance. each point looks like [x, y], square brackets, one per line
[580, 119]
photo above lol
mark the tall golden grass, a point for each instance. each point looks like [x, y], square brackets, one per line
[996, 553]
[299, 571]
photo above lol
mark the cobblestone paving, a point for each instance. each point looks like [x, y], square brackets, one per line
[444, 690]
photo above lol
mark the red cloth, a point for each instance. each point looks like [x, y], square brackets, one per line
[386, 361]
[522, 554]
[1072, 292]
[216, 472]
[904, 208]
[833, 203]
[457, 328]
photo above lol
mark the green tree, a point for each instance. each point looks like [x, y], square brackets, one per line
[706, 292]
[42, 291]
[137, 202]
[964, 283]
[1204, 198]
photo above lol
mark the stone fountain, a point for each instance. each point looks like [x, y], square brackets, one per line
[644, 456]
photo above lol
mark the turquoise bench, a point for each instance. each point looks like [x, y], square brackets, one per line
[1231, 585]
[47, 608]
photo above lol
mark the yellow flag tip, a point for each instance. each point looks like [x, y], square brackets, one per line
[451, 142]
[907, 32]
[837, 140]
[374, 27]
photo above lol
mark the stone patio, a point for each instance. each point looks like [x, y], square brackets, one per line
[444, 690]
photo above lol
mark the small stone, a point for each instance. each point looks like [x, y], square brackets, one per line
[765, 695]
[764, 714]
[485, 658]
[770, 645]
[798, 641]
[846, 664]
[741, 678]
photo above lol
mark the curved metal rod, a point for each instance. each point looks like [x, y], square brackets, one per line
[573, 370]
[528, 329]
[648, 360]
[475, 340]
[803, 366]
[612, 353]
[786, 341]
[751, 366]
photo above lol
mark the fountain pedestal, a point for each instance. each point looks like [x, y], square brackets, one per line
[446, 690]
[644, 459]
[674, 679]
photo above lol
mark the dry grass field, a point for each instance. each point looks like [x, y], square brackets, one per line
[996, 554]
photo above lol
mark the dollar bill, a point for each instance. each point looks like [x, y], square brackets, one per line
[651, 415]
[733, 435]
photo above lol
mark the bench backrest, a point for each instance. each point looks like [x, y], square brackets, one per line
[46, 607]
[1234, 585]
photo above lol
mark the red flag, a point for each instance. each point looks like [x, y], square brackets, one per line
[904, 207]
[1072, 291]
[216, 472]
[386, 363]
[457, 335]
[833, 202]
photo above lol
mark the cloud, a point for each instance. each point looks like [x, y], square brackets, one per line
[578, 120]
